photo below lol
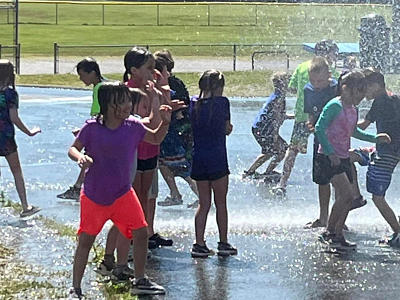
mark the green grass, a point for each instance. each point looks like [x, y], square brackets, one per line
[279, 24]
[246, 84]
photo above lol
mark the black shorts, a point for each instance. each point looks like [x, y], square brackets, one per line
[323, 171]
[147, 164]
[210, 177]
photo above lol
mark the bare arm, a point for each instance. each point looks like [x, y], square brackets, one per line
[156, 136]
[228, 127]
[363, 124]
[21, 126]
[74, 153]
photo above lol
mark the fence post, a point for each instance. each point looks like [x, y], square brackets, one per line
[55, 58]
[287, 61]
[103, 14]
[0, 50]
[256, 14]
[158, 14]
[56, 13]
[208, 14]
[18, 59]
[234, 57]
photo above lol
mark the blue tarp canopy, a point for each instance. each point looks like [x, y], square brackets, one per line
[345, 49]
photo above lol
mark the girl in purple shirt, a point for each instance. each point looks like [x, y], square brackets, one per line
[110, 143]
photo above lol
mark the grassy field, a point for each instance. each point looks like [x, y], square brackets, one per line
[133, 24]
[246, 84]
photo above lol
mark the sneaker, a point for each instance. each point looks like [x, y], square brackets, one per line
[201, 251]
[152, 244]
[122, 274]
[72, 193]
[160, 240]
[30, 211]
[341, 243]
[170, 201]
[104, 269]
[394, 240]
[144, 286]
[226, 249]
[326, 237]
[75, 293]
[314, 224]
[358, 202]
[195, 204]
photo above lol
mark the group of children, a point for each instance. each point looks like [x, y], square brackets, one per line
[327, 106]
[118, 151]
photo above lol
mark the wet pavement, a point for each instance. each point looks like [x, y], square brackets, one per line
[277, 259]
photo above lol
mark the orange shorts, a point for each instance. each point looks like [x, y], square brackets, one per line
[126, 213]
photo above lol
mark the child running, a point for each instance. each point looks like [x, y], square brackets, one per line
[9, 103]
[110, 142]
[301, 132]
[334, 128]
[267, 124]
[210, 117]
[385, 112]
[89, 73]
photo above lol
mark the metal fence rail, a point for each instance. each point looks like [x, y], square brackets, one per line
[272, 49]
[14, 56]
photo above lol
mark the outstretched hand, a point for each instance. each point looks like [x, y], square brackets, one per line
[383, 138]
[177, 104]
[34, 131]
[85, 161]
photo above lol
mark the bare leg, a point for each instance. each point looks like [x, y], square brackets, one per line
[354, 185]
[386, 212]
[85, 242]
[220, 189]
[111, 242]
[324, 194]
[290, 159]
[260, 160]
[192, 185]
[16, 170]
[79, 180]
[142, 185]
[276, 159]
[151, 212]
[140, 241]
[200, 220]
[170, 180]
[341, 207]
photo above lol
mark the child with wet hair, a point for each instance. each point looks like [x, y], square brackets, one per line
[385, 113]
[110, 142]
[210, 118]
[267, 124]
[9, 103]
[334, 128]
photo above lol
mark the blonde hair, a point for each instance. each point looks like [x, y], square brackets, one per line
[7, 76]
[318, 64]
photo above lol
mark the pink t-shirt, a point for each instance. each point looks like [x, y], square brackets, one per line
[145, 150]
[340, 131]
